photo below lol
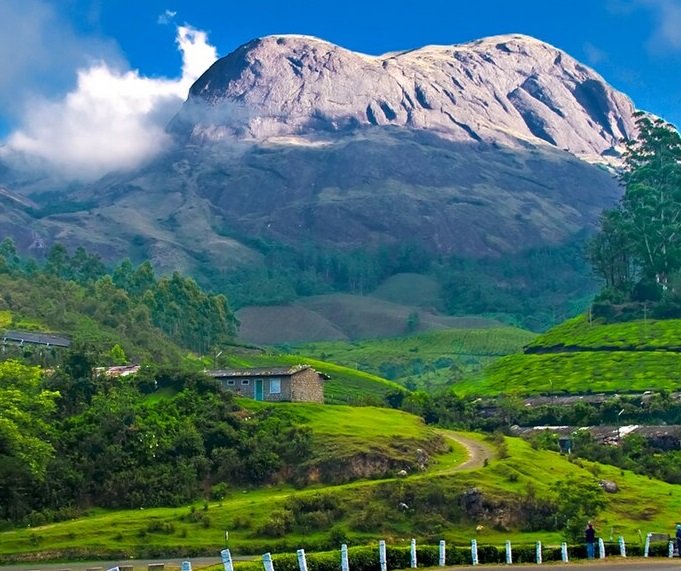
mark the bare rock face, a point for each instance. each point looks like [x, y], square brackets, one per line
[504, 89]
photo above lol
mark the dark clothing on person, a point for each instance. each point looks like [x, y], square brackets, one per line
[590, 537]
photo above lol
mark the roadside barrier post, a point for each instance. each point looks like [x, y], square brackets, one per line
[381, 555]
[443, 553]
[509, 553]
[226, 557]
[623, 547]
[646, 547]
[267, 562]
[302, 562]
[538, 552]
[564, 552]
[474, 551]
[671, 549]
[601, 548]
[345, 564]
[413, 554]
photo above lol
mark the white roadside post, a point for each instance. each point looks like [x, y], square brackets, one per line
[412, 552]
[564, 552]
[442, 559]
[226, 557]
[267, 562]
[601, 548]
[538, 552]
[646, 547]
[509, 553]
[623, 546]
[302, 562]
[382, 559]
[671, 549]
[474, 551]
[345, 563]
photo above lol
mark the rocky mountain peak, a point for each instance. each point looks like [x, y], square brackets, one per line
[511, 89]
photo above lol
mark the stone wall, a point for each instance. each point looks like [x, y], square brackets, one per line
[307, 386]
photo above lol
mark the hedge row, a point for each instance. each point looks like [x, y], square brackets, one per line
[366, 558]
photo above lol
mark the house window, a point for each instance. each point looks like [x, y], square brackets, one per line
[275, 386]
[245, 382]
[231, 382]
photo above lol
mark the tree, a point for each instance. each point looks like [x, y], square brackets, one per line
[577, 501]
[25, 408]
[639, 245]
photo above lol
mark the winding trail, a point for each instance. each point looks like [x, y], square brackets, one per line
[478, 452]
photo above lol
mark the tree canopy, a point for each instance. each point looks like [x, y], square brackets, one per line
[638, 249]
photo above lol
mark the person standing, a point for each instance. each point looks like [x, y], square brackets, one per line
[678, 539]
[590, 538]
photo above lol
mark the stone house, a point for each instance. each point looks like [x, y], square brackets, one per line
[300, 383]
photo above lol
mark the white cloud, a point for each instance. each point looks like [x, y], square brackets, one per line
[594, 55]
[112, 119]
[166, 17]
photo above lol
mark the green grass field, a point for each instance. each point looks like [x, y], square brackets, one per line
[580, 356]
[640, 504]
[633, 335]
[424, 360]
[580, 372]
[346, 385]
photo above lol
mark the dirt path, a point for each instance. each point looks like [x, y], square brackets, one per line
[478, 452]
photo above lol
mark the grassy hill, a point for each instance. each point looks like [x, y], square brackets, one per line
[283, 519]
[425, 360]
[345, 386]
[343, 317]
[580, 356]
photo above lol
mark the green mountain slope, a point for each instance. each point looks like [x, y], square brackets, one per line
[581, 356]
[430, 359]
[523, 483]
[345, 386]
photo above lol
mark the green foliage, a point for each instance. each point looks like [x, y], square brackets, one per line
[25, 410]
[639, 246]
[577, 501]
[130, 309]
[580, 372]
[426, 360]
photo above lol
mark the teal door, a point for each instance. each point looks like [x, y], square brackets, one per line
[258, 389]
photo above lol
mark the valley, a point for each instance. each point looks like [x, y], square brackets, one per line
[340, 296]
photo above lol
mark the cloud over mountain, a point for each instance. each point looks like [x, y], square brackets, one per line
[113, 118]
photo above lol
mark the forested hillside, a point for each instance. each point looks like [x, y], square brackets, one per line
[150, 318]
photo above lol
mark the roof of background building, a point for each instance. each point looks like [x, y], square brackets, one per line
[260, 372]
[35, 338]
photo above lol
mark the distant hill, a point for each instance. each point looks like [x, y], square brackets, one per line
[345, 317]
[428, 359]
[583, 356]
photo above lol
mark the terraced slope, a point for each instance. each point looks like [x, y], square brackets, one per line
[580, 356]
[426, 360]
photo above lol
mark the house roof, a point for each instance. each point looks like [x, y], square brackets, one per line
[35, 338]
[261, 372]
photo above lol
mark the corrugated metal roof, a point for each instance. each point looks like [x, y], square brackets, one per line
[35, 338]
[260, 372]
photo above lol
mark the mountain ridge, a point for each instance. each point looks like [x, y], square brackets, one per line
[276, 148]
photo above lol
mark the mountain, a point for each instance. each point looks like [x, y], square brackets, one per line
[480, 150]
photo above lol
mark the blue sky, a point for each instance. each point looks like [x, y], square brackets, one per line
[634, 44]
